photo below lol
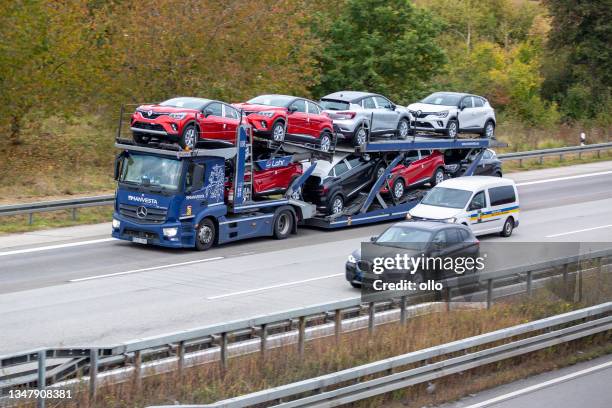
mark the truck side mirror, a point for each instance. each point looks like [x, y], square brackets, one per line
[118, 162]
[198, 177]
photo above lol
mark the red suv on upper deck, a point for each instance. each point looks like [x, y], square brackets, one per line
[281, 117]
[185, 120]
[417, 168]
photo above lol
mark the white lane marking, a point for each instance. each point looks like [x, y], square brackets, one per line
[577, 231]
[540, 386]
[242, 292]
[152, 268]
[528, 183]
[58, 246]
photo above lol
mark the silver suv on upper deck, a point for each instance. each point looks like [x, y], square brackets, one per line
[355, 114]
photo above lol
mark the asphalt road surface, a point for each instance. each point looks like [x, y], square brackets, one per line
[98, 291]
[585, 385]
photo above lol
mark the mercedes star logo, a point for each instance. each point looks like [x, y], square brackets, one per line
[141, 212]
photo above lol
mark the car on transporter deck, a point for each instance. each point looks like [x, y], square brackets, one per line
[353, 111]
[451, 113]
[284, 117]
[185, 120]
[418, 167]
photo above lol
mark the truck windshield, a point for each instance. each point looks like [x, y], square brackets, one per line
[151, 172]
[447, 197]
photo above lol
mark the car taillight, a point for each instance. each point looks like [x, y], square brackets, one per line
[345, 115]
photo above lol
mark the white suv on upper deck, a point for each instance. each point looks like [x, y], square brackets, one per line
[452, 113]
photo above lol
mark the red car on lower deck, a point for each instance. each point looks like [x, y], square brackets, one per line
[284, 117]
[272, 176]
[185, 120]
[418, 167]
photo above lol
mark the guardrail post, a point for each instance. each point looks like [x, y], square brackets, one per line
[598, 154]
[579, 277]
[403, 302]
[599, 277]
[138, 368]
[30, 218]
[223, 356]
[565, 281]
[561, 157]
[489, 293]
[529, 282]
[74, 210]
[180, 351]
[520, 162]
[301, 334]
[93, 373]
[264, 340]
[371, 317]
[541, 159]
[337, 325]
[42, 377]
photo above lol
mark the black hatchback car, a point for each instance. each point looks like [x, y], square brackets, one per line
[332, 185]
[417, 238]
[459, 160]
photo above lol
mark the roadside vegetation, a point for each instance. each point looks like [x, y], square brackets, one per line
[207, 383]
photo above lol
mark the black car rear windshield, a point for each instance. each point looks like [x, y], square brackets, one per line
[442, 99]
[272, 100]
[330, 104]
[189, 103]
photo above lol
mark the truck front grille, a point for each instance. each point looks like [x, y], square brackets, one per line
[153, 215]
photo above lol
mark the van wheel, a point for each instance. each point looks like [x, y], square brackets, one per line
[205, 235]
[508, 228]
[283, 224]
[438, 177]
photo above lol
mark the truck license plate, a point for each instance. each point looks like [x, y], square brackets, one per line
[139, 240]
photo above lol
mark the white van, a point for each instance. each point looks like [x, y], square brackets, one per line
[486, 204]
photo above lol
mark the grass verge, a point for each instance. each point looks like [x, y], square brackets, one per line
[55, 219]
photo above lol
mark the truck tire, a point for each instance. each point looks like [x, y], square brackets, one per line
[283, 224]
[205, 235]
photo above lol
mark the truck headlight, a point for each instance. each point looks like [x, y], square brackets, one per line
[116, 223]
[170, 232]
[351, 259]
[442, 114]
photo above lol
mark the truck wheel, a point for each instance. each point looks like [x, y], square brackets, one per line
[189, 137]
[508, 228]
[398, 188]
[438, 177]
[283, 224]
[205, 235]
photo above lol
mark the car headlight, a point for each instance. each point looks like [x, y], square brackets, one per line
[351, 259]
[170, 232]
[178, 116]
[442, 114]
[267, 114]
[451, 220]
[116, 223]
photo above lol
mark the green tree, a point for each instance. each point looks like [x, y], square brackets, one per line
[579, 66]
[384, 46]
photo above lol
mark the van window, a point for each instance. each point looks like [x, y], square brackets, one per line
[502, 195]
[478, 202]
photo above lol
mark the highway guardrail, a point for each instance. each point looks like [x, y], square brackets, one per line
[104, 200]
[451, 358]
[175, 351]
